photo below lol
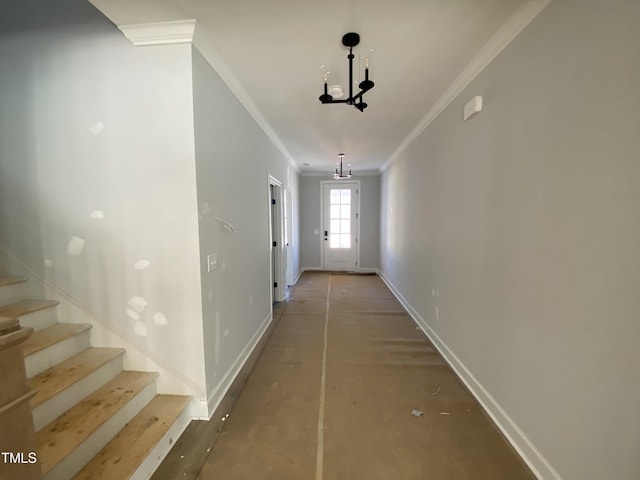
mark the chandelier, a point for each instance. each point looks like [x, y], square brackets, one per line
[340, 174]
[350, 40]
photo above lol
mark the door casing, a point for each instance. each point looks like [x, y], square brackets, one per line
[276, 234]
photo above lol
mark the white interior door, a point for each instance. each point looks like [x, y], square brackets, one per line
[288, 237]
[340, 225]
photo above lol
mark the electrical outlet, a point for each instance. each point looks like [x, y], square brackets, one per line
[212, 262]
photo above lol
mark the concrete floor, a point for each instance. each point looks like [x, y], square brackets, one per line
[332, 394]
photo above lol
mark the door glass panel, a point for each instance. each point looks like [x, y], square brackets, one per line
[340, 218]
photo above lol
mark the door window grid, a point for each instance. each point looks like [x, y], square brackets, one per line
[340, 218]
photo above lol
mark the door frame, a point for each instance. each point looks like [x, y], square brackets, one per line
[357, 232]
[277, 254]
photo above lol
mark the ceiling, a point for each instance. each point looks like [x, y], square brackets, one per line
[270, 53]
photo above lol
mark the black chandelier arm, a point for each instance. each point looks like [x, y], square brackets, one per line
[351, 100]
[337, 101]
[359, 96]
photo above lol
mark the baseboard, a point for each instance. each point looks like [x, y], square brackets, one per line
[216, 395]
[310, 269]
[367, 270]
[538, 464]
[103, 334]
[320, 269]
[295, 281]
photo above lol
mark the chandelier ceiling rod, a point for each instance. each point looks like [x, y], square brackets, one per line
[351, 40]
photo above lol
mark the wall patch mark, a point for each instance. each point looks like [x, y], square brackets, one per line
[96, 128]
[160, 319]
[138, 304]
[140, 329]
[141, 264]
[75, 246]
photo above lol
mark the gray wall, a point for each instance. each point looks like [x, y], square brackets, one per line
[310, 200]
[310, 244]
[234, 159]
[65, 69]
[525, 219]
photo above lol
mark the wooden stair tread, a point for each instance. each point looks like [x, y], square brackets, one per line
[123, 455]
[8, 325]
[51, 335]
[24, 307]
[65, 433]
[57, 378]
[9, 280]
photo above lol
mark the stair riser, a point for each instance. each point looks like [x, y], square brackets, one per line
[41, 319]
[56, 406]
[57, 353]
[72, 464]
[12, 293]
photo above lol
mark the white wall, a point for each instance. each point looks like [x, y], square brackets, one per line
[525, 219]
[310, 202]
[234, 160]
[90, 123]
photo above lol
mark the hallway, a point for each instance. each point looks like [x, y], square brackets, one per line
[332, 396]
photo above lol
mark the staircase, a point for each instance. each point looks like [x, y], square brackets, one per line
[93, 420]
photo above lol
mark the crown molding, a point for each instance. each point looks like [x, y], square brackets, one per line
[329, 173]
[214, 59]
[160, 33]
[183, 31]
[503, 37]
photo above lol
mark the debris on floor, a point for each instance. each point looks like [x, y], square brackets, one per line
[417, 413]
[445, 413]
[436, 392]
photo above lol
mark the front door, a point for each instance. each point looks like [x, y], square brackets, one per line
[340, 225]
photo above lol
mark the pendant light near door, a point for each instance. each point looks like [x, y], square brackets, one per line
[340, 173]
